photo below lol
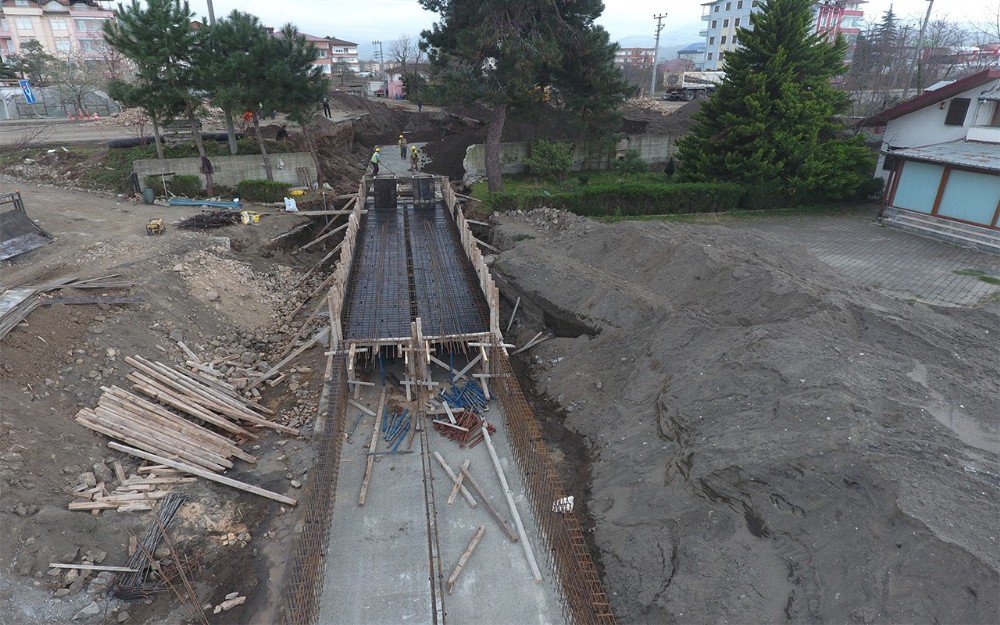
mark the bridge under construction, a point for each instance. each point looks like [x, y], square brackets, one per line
[433, 498]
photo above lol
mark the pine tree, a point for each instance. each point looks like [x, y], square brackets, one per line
[518, 55]
[773, 124]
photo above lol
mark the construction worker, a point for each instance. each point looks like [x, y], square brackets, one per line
[402, 147]
[414, 159]
[376, 159]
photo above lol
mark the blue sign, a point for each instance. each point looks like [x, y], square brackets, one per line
[29, 95]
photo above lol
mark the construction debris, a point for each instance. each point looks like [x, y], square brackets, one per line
[209, 220]
[137, 584]
[16, 304]
[467, 429]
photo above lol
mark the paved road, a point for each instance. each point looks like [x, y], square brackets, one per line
[893, 260]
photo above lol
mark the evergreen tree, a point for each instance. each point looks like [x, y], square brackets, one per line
[772, 123]
[250, 70]
[515, 55]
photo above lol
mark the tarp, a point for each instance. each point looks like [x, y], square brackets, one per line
[18, 233]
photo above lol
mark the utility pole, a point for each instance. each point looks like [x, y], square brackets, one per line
[226, 114]
[381, 64]
[656, 53]
[918, 53]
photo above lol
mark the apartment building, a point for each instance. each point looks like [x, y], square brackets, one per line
[634, 58]
[331, 51]
[724, 17]
[58, 25]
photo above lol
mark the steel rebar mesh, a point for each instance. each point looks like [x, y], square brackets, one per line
[584, 599]
[300, 598]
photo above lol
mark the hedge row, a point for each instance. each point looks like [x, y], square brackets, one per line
[262, 190]
[630, 198]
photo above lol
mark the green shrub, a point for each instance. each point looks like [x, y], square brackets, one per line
[630, 163]
[550, 158]
[180, 185]
[262, 190]
[632, 198]
[583, 179]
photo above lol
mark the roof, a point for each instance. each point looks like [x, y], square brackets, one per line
[932, 97]
[693, 48]
[340, 42]
[975, 154]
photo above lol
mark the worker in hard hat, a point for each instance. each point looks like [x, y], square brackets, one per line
[414, 159]
[402, 147]
[376, 159]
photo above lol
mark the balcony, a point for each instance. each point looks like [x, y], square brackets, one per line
[703, 33]
[986, 134]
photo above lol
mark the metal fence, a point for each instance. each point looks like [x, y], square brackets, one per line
[300, 597]
[585, 601]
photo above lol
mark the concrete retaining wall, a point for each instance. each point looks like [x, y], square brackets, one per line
[654, 149]
[230, 170]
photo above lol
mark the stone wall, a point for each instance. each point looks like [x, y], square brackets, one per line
[654, 149]
[230, 170]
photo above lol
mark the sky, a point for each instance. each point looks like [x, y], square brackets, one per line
[365, 21]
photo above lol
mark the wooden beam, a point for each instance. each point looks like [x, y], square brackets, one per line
[208, 475]
[525, 545]
[462, 561]
[513, 314]
[502, 522]
[91, 567]
[458, 482]
[372, 448]
[465, 492]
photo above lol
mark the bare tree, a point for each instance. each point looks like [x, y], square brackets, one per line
[75, 77]
[405, 50]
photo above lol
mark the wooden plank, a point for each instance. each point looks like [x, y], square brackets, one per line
[458, 482]
[513, 314]
[318, 239]
[451, 425]
[186, 468]
[91, 567]
[276, 368]
[364, 409]
[465, 491]
[372, 448]
[521, 534]
[502, 522]
[462, 561]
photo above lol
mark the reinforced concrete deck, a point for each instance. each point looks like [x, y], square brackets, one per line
[378, 563]
[409, 262]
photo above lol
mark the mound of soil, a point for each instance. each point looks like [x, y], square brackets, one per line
[768, 443]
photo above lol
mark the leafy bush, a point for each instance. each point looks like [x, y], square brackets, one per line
[262, 190]
[550, 158]
[630, 163]
[633, 198]
[583, 179]
[180, 185]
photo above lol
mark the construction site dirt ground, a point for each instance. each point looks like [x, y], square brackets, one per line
[767, 440]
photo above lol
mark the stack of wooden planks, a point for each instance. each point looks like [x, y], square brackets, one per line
[136, 493]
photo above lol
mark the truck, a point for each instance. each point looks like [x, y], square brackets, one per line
[690, 85]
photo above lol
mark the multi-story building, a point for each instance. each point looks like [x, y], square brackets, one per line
[694, 52]
[635, 58]
[331, 51]
[724, 17]
[58, 25]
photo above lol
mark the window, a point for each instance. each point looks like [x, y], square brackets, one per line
[20, 3]
[64, 44]
[89, 25]
[715, 24]
[90, 45]
[736, 22]
[23, 23]
[716, 8]
[709, 56]
[725, 23]
[723, 40]
[322, 54]
[755, 3]
[734, 40]
[4, 25]
[956, 112]
[339, 51]
[711, 41]
[995, 120]
[57, 24]
[729, 6]
[739, 5]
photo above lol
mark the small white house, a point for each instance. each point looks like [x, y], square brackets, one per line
[940, 159]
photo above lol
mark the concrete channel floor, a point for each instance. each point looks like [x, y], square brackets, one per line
[886, 258]
[378, 561]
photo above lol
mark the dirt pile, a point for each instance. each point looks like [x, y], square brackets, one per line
[768, 443]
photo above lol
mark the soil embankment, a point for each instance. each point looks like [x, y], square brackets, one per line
[768, 442]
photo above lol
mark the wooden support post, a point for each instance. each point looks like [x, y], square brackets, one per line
[528, 553]
[371, 449]
[462, 561]
[513, 314]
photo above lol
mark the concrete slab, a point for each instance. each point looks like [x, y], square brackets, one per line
[378, 564]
